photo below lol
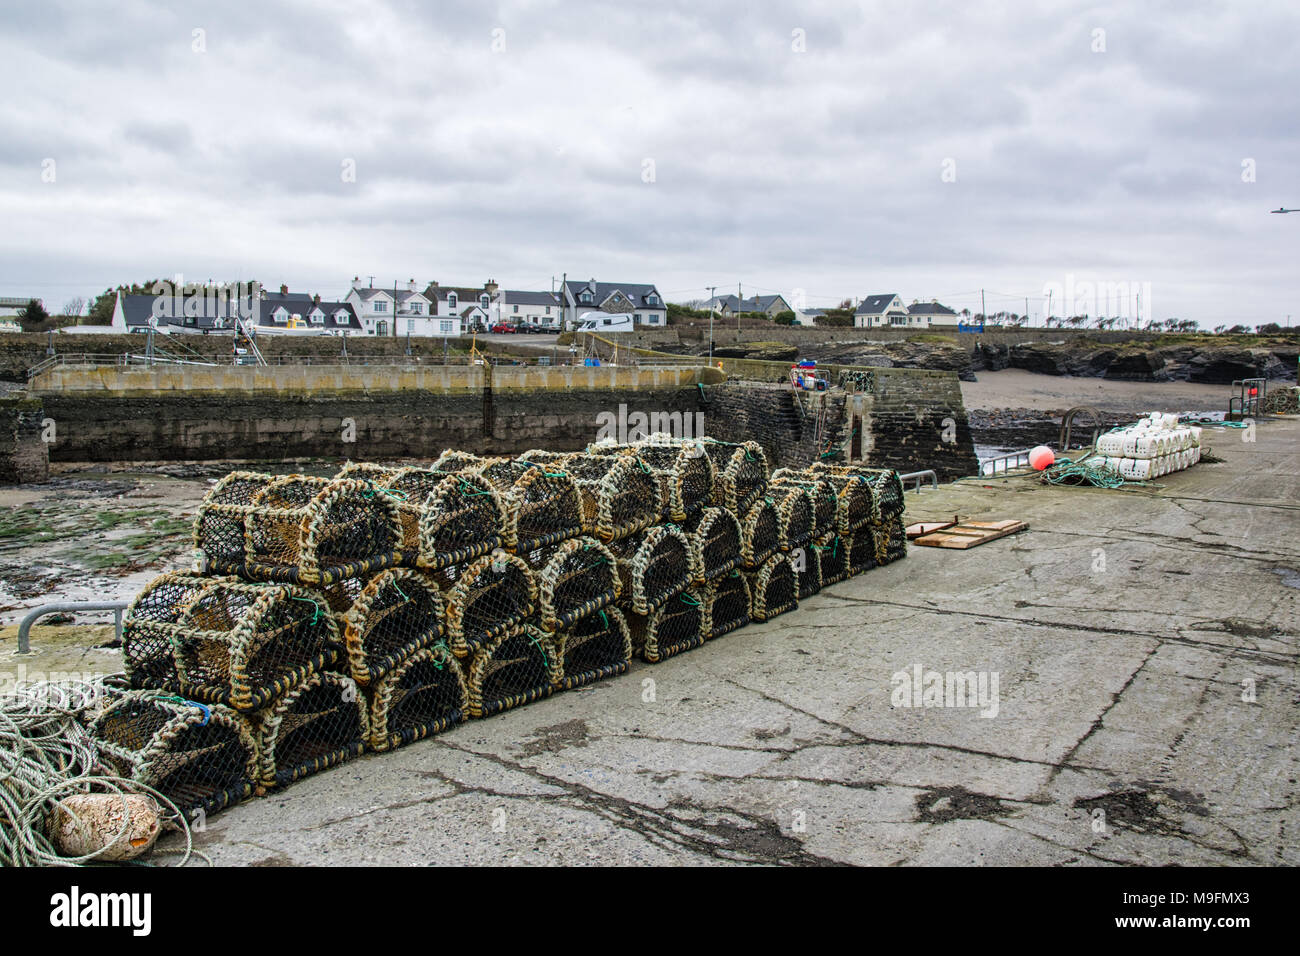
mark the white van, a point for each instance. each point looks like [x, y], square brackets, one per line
[603, 323]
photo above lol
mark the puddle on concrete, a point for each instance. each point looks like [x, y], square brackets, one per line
[941, 804]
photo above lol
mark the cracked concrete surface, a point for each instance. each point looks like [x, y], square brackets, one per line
[1121, 734]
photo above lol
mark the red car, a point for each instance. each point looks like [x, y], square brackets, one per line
[502, 328]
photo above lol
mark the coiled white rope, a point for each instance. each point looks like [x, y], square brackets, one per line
[47, 753]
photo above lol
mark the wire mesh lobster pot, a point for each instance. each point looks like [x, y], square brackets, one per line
[245, 644]
[825, 502]
[886, 486]
[322, 722]
[855, 502]
[146, 647]
[728, 601]
[620, 495]
[760, 536]
[296, 528]
[774, 588]
[542, 503]
[682, 469]
[446, 517]
[832, 556]
[200, 757]
[596, 647]
[485, 599]
[715, 535]
[808, 564]
[796, 508]
[424, 695]
[739, 474]
[895, 536]
[863, 550]
[676, 626]
[574, 578]
[653, 565]
[516, 668]
[398, 612]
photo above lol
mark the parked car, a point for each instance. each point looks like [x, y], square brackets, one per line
[502, 328]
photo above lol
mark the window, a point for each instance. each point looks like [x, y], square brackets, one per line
[607, 322]
[548, 310]
[340, 317]
[417, 308]
[451, 300]
[636, 317]
[380, 306]
[445, 326]
[585, 297]
[516, 310]
[281, 315]
[410, 326]
[652, 299]
[318, 318]
[484, 301]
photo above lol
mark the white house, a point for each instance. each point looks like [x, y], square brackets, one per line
[875, 311]
[771, 305]
[452, 300]
[400, 311]
[931, 313]
[542, 308]
[643, 301]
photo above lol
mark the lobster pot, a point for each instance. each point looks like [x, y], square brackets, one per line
[739, 474]
[516, 668]
[855, 503]
[574, 578]
[542, 504]
[774, 588]
[682, 469]
[653, 565]
[424, 695]
[728, 600]
[886, 486]
[245, 645]
[410, 489]
[463, 518]
[678, 625]
[760, 536]
[863, 550]
[620, 495]
[825, 503]
[318, 724]
[146, 647]
[796, 509]
[485, 599]
[397, 613]
[296, 528]
[895, 539]
[201, 758]
[809, 568]
[594, 648]
[454, 460]
[715, 536]
[832, 556]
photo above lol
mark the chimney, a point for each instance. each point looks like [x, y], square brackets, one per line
[410, 285]
[356, 282]
[284, 289]
[315, 299]
[491, 287]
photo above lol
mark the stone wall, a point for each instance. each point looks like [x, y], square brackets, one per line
[23, 452]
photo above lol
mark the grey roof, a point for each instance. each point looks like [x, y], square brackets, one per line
[929, 308]
[200, 313]
[753, 303]
[441, 292]
[285, 297]
[514, 297]
[636, 293]
[875, 304]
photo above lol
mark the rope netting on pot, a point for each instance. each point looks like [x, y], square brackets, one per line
[653, 565]
[760, 536]
[681, 467]
[398, 612]
[463, 518]
[863, 548]
[807, 563]
[727, 602]
[485, 599]
[245, 644]
[146, 647]
[423, 695]
[678, 625]
[886, 526]
[832, 556]
[410, 488]
[824, 499]
[715, 535]
[574, 579]
[739, 474]
[596, 647]
[855, 503]
[620, 495]
[201, 757]
[321, 722]
[797, 510]
[774, 588]
[542, 503]
[516, 668]
[297, 528]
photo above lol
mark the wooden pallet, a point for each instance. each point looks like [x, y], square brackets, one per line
[963, 535]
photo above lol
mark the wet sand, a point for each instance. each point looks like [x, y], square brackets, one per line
[1051, 394]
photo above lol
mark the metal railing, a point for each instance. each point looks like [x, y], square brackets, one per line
[919, 476]
[34, 615]
[1015, 459]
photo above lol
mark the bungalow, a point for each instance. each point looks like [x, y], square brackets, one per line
[643, 301]
[931, 313]
[541, 308]
[880, 310]
[215, 314]
[770, 305]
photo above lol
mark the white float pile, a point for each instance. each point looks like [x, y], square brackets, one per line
[1153, 446]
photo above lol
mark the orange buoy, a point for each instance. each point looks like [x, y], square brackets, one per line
[1041, 457]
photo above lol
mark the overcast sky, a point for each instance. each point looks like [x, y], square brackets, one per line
[927, 149]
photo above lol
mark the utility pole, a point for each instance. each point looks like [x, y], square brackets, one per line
[712, 304]
[564, 304]
[394, 308]
[1048, 318]
[984, 312]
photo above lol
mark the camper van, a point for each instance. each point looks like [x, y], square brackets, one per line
[603, 323]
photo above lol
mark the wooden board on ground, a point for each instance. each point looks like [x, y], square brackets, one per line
[969, 534]
[925, 527]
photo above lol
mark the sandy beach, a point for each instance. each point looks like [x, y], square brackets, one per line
[1052, 395]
